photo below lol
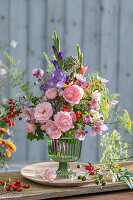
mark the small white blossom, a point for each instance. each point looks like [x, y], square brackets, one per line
[14, 43]
[3, 71]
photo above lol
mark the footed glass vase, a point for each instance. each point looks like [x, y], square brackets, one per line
[64, 150]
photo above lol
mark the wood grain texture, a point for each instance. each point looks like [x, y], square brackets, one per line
[38, 191]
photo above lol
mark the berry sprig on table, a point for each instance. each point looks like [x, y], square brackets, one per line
[93, 172]
[8, 186]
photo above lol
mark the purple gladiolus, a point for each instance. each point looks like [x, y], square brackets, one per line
[54, 49]
[37, 72]
[55, 63]
[60, 55]
[98, 128]
[59, 75]
[26, 113]
[49, 175]
[79, 134]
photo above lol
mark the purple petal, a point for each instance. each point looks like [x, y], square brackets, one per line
[54, 49]
[55, 63]
[60, 55]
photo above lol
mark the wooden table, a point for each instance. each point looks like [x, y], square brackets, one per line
[37, 191]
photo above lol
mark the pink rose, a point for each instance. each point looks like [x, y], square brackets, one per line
[43, 112]
[73, 94]
[63, 121]
[30, 128]
[52, 130]
[51, 93]
[73, 116]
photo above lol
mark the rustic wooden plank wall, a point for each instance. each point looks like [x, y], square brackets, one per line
[104, 30]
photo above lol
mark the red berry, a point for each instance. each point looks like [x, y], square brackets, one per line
[5, 118]
[10, 116]
[91, 173]
[81, 115]
[11, 108]
[14, 188]
[24, 185]
[77, 116]
[8, 120]
[7, 181]
[13, 123]
[65, 109]
[85, 123]
[8, 189]
[18, 115]
[77, 113]
[14, 112]
[2, 182]
[17, 181]
[11, 185]
[27, 186]
[10, 102]
[92, 167]
[65, 106]
[13, 103]
[19, 189]
[90, 164]
[18, 111]
[88, 167]
[9, 113]
[10, 99]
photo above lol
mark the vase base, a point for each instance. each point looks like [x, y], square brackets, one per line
[65, 175]
[64, 171]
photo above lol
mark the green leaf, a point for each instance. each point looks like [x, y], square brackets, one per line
[128, 181]
[30, 136]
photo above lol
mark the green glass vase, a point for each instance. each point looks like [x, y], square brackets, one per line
[64, 150]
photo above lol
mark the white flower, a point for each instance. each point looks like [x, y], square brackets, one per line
[14, 43]
[3, 71]
[96, 95]
[102, 80]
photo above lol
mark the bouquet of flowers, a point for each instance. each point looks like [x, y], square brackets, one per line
[68, 101]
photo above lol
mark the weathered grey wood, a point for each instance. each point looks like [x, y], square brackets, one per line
[4, 36]
[18, 31]
[109, 47]
[55, 20]
[73, 26]
[36, 46]
[91, 50]
[125, 68]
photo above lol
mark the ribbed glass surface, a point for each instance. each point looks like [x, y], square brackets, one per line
[64, 150]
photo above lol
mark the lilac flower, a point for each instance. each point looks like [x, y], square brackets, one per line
[55, 63]
[88, 119]
[54, 49]
[80, 78]
[37, 72]
[26, 113]
[49, 175]
[98, 128]
[79, 134]
[60, 55]
[51, 82]
[112, 102]
[96, 108]
[59, 75]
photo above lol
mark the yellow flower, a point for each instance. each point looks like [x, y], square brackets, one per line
[8, 153]
[9, 144]
[3, 130]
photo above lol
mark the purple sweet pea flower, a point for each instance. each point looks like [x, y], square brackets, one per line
[26, 113]
[79, 134]
[60, 55]
[54, 49]
[49, 175]
[37, 72]
[55, 63]
[59, 75]
[112, 102]
[98, 128]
